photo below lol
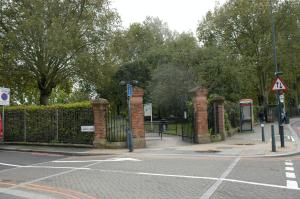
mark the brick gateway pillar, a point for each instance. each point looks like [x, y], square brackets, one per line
[137, 118]
[219, 116]
[99, 111]
[201, 120]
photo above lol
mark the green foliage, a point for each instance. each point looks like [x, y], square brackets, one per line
[50, 42]
[49, 124]
[242, 29]
[170, 94]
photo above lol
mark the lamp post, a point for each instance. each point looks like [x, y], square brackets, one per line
[129, 128]
[277, 74]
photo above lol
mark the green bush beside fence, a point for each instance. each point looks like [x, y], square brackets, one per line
[49, 124]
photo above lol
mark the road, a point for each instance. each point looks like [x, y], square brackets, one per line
[145, 175]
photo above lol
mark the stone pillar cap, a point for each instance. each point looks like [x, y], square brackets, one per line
[138, 92]
[100, 101]
[218, 99]
[199, 90]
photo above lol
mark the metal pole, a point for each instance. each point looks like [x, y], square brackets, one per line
[56, 112]
[280, 127]
[263, 132]
[3, 123]
[25, 127]
[273, 139]
[129, 130]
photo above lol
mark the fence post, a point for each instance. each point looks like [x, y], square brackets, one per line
[200, 110]
[56, 117]
[100, 111]
[25, 126]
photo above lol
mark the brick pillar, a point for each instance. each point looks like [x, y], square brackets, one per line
[137, 118]
[99, 110]
[220, 118]
[201, 122]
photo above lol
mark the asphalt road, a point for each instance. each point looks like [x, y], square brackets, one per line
[145, 175]
[33, 175]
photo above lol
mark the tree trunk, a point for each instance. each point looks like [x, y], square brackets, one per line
[44, 96]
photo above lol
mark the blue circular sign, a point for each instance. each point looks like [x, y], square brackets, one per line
[4, 96]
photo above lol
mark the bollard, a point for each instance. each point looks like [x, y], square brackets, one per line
[262, 132]
[281, 133]
[273, 139]
[129, 139]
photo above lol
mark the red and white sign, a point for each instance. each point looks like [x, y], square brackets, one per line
[278, 85]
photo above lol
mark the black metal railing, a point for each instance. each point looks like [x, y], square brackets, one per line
[116, 126]
[48, 126]
[213, 124]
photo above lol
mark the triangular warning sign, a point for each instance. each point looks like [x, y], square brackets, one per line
[278, 85]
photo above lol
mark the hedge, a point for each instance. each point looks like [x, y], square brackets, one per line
[60, 123]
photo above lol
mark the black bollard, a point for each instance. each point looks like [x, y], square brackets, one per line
[281, 131]
[273, 139]
[263, 132]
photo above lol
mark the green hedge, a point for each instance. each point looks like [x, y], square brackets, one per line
[59, 123]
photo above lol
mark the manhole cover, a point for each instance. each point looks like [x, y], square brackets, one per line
[208, 151]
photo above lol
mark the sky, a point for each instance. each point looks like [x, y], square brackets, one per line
[181, 15]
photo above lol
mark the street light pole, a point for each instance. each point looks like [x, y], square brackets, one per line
[277, 74]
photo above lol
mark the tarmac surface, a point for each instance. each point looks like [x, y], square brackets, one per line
[243, 167]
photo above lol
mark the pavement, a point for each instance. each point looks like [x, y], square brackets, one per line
[247, 144]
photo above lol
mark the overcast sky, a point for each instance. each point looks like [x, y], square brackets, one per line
[181, 15]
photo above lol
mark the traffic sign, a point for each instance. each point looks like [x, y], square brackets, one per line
[4, 96]
[129, 90]
[279, 85]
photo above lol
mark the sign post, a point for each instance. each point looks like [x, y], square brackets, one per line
[4, 101]
[279, 87]
[129, 130]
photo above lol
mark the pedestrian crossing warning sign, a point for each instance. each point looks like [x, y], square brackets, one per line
[279, 85]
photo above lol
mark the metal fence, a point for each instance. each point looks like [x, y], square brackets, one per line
[116, 126]
[175, 126]
[232, 111]
[48, 126]
[213, 124]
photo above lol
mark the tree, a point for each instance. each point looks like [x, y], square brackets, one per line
[48, 39]
[243, 29]
[170, 88]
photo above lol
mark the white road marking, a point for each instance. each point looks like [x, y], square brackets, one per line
[289, 137]
[46, 167]
[107, 160]
[215, 186]
[290, 175]
[7, 190]
[292, 184]
[288, 163]
[289, 168]
[196, 177]
[292, 139]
